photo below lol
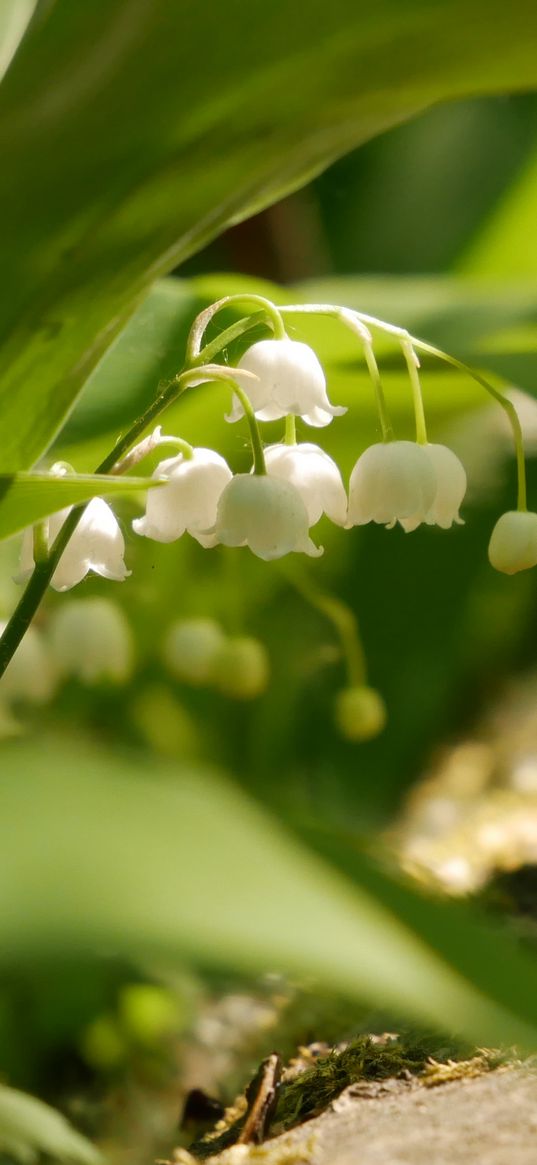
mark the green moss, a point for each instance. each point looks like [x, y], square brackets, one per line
[364, 1059]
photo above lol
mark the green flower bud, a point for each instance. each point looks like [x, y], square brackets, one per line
[242, 668]
[359, 713]
[148, 1013]
[513, 542]
[191, 648]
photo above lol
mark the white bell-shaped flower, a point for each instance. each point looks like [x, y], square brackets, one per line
[314, 475]
[91, 639]
[96, 545]
[513, 542]
[450, 491]
[188, 500]
[30, 676]
[389, 482]
[290, 379]
[266, 514]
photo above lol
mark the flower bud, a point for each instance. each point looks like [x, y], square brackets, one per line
[359, 713]
[188, 500]
[389, 482]
[513, 542]
[191, 648]
[91, 639]
[30, 675]
[242, 668]
[314, 475]
[96, 545]
[265, 514]
[290, 379]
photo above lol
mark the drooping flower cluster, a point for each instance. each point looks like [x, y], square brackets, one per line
[291, 485]
[272, 512]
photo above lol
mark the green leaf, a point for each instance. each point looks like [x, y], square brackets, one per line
[99, 851]
[27, 497]
[29, 1127]
[506, 247]
[15, 16]
[132, 133]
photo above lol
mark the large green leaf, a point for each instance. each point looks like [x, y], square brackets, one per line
[131, 133]
[27, 497]
[99, 852]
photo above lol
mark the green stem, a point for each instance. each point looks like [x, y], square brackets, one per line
[349, 318]
[255, 436]
[366, 321]
[40, 539]
[383, 414]
[224, 339]
[502, 400]
[290, 429]
[202, 321]
[36, 587]
[341, 617]
[417, 398]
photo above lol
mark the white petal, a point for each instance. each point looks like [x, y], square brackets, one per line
[97, 544]
[189, 499]
[450, 491]
[266, 514]
[290, 380]
[314, 475]
[451, 486]
[389, 482]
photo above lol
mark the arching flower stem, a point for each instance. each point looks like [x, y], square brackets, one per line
[367, 321]
[341, 617]
[502, 400]
[269, 312]
[412, 363]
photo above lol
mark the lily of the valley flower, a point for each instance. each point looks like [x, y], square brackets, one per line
[314, 475]
[513, 542]
[96, 545]
[91, 639]
[189, 499]
[265, 514]
[450, 491]
[290, 379]
[390, 482]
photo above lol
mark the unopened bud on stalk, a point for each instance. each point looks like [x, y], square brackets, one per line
[191, 648]
[242, 668]
[359, 713]
[513, 542]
